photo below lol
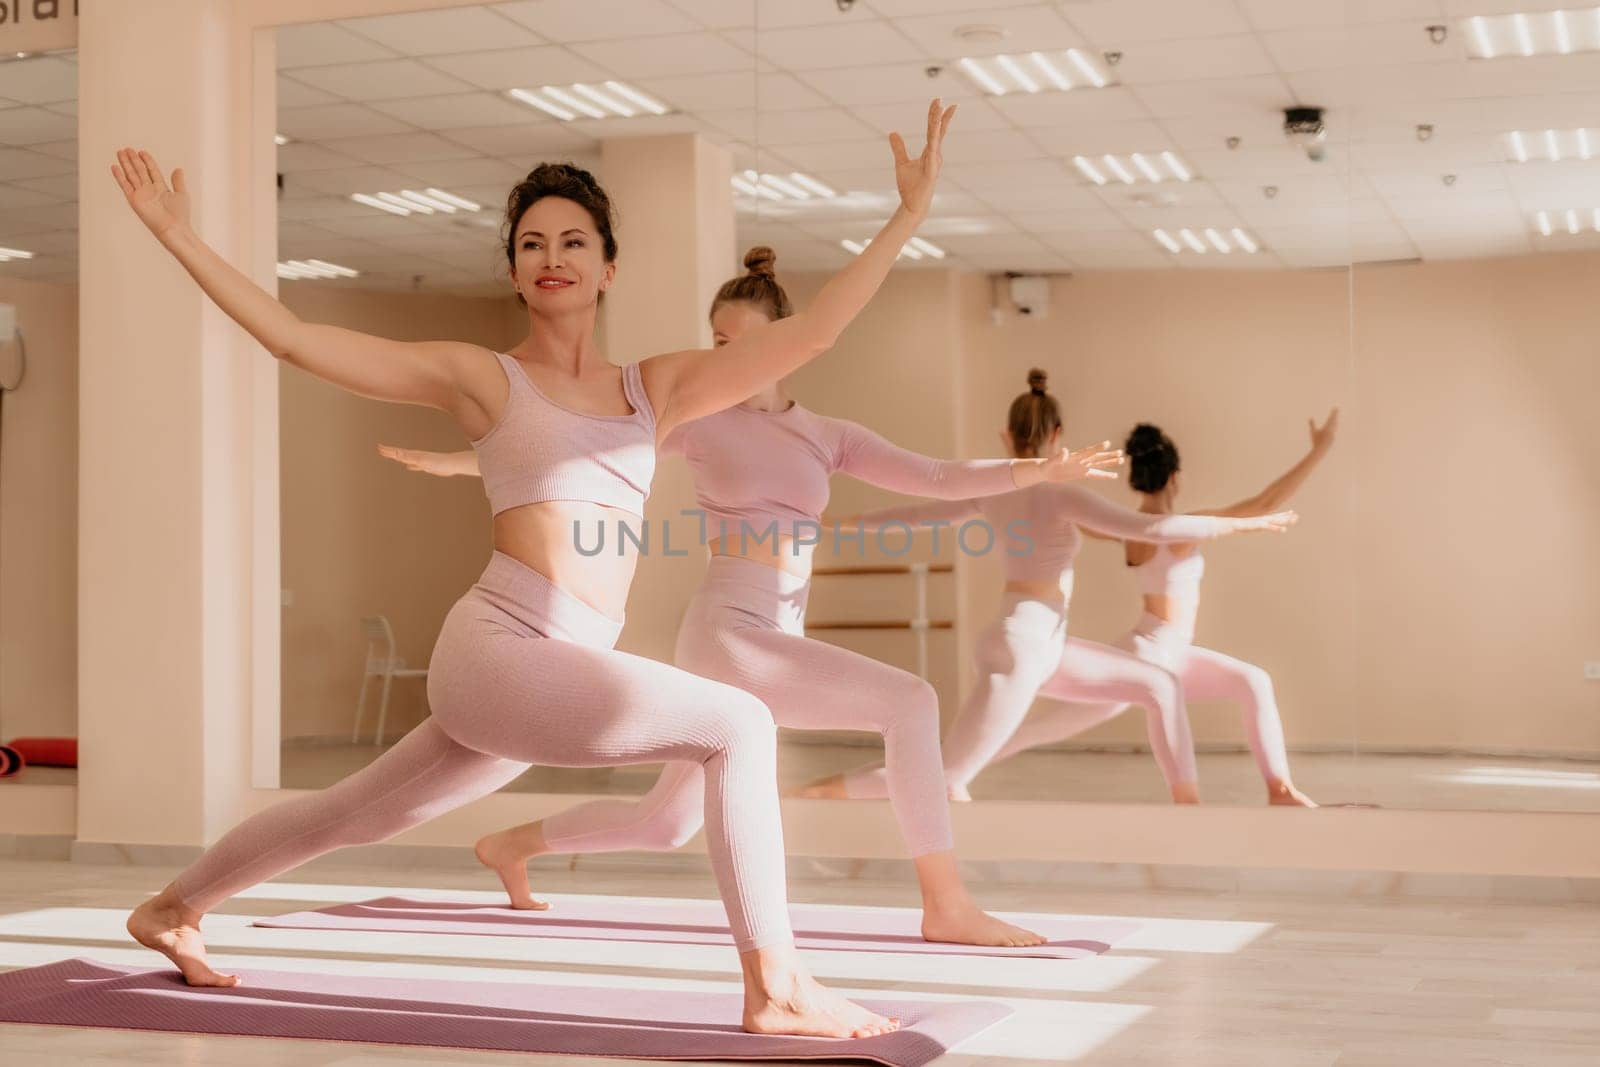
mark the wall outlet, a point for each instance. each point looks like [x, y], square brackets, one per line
[1591, 670]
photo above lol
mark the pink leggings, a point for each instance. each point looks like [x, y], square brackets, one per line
[525, 673]
[1204, 675]
[745, 627]
[1026, 654]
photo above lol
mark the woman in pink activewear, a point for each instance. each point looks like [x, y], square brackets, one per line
[1169, 581]
[525, 670]
[761, 471]
[1026, 653]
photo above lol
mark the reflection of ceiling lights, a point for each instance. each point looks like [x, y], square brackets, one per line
[793, 186]
[1033, 72]
[279, 139]
[916, 248]
[411, 202]
[607, 101]
[300, 269]
[8, 254]
[1541, 33]
[1552, 145]
[1572, 221]
[1206, 240]
[1140, 166]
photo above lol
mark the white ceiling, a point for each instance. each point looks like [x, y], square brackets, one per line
[413, 100]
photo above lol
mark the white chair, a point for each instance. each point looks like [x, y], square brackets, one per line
[381, 663]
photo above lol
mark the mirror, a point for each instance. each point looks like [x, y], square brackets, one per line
[1125, 207]
[1221, 220]
[39, 409]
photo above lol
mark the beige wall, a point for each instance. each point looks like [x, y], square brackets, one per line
[362, 535]
[39, 519]
[1478, 503]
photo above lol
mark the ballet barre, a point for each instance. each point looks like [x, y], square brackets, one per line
[920, 624]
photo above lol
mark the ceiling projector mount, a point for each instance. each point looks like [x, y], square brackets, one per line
[1304, 127]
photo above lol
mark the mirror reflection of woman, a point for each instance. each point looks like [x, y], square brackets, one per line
[1169, 583]
[1026, 653]
[765, 464]
[525, 670]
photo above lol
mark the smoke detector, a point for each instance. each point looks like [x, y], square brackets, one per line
[980, 33]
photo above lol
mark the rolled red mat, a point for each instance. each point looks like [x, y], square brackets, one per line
[47, 751]
[11, 761]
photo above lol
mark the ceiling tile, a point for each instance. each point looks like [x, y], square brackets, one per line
[732, 90]
[41, 80]
[34, 125]
[1237, 56]
[1038, 27]
[1259, 94]
[428, 33]
[862, 43]
[313, 44]
[596, 20]
[1128, 22]
[401, 148]
[387, 80]
[520, 68]
[660, 57]
[1077, 106]
[457, 110]
[334, 120]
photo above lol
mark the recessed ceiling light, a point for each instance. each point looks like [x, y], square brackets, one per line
[606, 100]
[414, 202]
[1553, 146]
[1214, 239]
[1032, 72]
[302, 269]
[1139, 166]
[1533, 33]
[792, 186]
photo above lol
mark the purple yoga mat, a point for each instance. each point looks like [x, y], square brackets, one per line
[692, 922]
[501, 1016]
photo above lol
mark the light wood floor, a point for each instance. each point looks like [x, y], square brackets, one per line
[1210, 980]
[1425, 782]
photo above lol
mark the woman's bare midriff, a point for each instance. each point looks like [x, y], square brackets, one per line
[1040, 590]
[546, 537]
[1167, 609]
[782, 555]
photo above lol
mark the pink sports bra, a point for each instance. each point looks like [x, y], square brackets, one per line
[540, 450]
[753, 468]
[1172, 576]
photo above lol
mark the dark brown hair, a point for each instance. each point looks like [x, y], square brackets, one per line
[758, 286]
[1153, 456]
[570, 182]
[1033, 417]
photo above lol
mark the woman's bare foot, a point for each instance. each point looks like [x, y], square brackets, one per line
[506, 853]
[1285, 795]
[958, 794]
[781, 998]
[166, 925]
[1186, 793]
[964, 923]
[830, 788]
